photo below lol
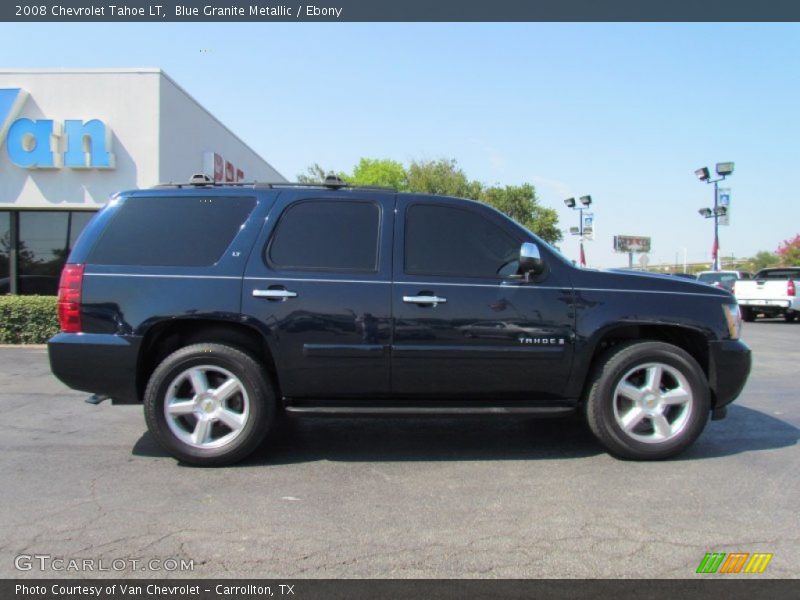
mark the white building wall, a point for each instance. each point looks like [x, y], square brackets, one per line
[158, 134]
[125, 100]
[188, 132]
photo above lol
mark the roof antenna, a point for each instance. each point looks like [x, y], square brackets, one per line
[334, 182]
[200, 179]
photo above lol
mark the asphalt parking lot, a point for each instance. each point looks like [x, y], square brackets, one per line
[400, 498]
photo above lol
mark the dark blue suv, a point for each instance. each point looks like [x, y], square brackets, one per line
[222, 306]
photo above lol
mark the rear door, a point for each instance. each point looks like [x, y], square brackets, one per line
[318, 284]
[464, 327]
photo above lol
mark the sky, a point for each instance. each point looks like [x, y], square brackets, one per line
[622, 112]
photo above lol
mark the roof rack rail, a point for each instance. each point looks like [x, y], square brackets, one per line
[331, 182]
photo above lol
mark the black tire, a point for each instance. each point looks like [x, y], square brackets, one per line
[748, 314]
[602, 406]
[790, 317]
[254, 391]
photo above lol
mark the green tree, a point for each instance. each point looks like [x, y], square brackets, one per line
[443, 177]
[313, 174]
[789, 251]
[446, 178]
[762, 260]
[521, 204]
[382, 172]
[368, 171]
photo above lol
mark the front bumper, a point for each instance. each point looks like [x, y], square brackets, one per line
[729, 367]
[101, 364]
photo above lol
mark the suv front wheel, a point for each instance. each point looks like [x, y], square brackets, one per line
[647, 400]
[209, 404]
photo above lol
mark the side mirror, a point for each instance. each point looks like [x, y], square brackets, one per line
[530, 260]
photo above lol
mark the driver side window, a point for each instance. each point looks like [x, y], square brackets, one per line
[445, 240]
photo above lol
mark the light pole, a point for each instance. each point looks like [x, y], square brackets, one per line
[585, 201]
[723, 170]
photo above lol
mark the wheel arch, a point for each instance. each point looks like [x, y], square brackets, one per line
[164, 338]
[693, 341]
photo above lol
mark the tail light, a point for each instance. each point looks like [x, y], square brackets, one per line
[69, 298]
[790, 289]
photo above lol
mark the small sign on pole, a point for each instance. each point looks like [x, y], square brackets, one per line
[724, 200]
[588, 226]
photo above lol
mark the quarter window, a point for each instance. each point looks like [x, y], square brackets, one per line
[327, 235]
[444, 240]
[186, 231]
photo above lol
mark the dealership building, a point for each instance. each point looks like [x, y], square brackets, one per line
[69, 139]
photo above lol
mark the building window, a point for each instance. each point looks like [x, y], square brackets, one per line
[5, 249]
[45, 240]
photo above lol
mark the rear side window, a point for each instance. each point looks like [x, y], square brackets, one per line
[171, 231]
[327, 235]
[443, 240]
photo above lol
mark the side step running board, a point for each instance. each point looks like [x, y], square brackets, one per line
[549, 411]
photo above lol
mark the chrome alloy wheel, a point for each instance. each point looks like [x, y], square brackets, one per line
[206, 407]
[653, 403]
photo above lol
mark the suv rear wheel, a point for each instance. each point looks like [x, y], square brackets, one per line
[647, 400]
[209, 404]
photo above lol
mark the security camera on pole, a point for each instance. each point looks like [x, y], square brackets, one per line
[586, 227]
[720, 210]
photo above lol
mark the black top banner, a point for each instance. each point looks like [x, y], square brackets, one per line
[401, 10]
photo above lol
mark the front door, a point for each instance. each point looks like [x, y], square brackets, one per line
[317, 283]
[465, 326]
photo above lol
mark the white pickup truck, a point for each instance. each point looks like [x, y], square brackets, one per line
[772, 292]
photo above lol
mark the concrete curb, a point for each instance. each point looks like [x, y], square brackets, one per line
[39, 346]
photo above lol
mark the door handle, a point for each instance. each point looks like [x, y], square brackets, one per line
[274, 294]
[432, 300]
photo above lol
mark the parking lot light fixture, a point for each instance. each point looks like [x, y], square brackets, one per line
[723, 170]
[585, 202]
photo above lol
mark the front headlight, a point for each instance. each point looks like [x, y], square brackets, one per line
[733, 316]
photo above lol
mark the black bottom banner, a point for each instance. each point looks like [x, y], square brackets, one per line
[408, 589]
